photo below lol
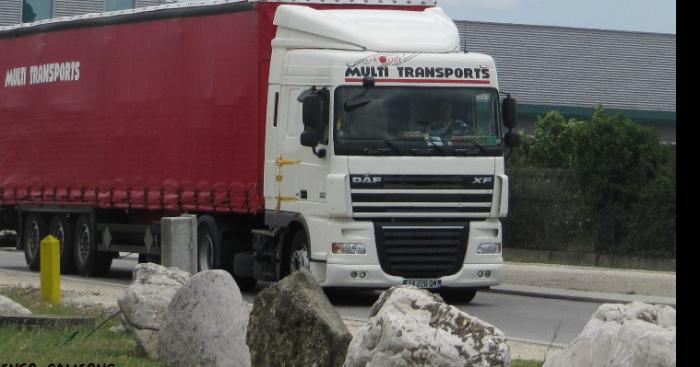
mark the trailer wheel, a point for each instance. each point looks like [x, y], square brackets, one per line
[62, 228]
[89, 261]
[208, 243]
[458, 295]
[34, 231]
[297, 254]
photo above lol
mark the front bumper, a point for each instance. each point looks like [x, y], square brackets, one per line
[338, 275]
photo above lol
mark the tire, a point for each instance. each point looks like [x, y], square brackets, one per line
[246, 284]
[62, 228]
[208, 244]
[458, 295]
[241, 242]
[35, 230]
[88, 261]
[149, 258]
[296, 255]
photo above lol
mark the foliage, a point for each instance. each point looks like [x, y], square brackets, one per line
[554, 141]
[625, 178]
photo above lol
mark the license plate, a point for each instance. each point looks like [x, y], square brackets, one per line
[423, 283]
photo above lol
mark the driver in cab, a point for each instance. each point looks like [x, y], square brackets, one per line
[446, 125]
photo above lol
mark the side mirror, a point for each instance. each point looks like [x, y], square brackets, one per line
[512, 139]
[510, 112]
[315, 109]
[310, 138]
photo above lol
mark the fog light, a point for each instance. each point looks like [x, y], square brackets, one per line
[488, 274]
[348, 249]
[353, 274]
[363, 274]
[489, 248]
[480, 274]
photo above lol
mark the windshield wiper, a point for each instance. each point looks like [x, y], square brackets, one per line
[474, 144]
[431, 145]
[391, 145]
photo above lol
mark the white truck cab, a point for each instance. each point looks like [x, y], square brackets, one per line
[386, 144]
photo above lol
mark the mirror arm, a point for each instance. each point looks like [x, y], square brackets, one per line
[319, 153]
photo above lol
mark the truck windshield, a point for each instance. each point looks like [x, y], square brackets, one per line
[416, 121]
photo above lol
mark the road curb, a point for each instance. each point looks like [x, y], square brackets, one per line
[580, 296]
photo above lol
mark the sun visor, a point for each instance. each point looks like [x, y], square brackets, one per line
[430, 30]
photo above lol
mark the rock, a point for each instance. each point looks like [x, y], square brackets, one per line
[145, 301]
[119, 329]
[205, 324]
[10, 307]
[632, 335]
[413, 327]
[294, 324]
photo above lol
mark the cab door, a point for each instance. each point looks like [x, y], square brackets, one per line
[301, 174]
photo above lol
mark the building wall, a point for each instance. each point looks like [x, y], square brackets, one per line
[561, 66]
[74, 7]
[10, 12]
[142, 3]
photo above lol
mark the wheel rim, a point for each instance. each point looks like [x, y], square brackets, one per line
[84, 243]
[298, 260]
[33, 239]
[205, 253]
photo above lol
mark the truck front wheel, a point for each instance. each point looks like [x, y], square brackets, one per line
[88, 261]
[458, 295]
[35, 230]
[297, 254]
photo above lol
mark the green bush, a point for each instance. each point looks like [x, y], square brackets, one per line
[554, 141]
[625, 180]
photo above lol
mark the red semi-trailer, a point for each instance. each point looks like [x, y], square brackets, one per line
[134, 117]
[109, 122]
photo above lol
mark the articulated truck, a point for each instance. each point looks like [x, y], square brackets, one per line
[352, 138]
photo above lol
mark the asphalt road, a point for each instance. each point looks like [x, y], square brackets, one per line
[531, 318]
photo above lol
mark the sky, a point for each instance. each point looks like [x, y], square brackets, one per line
[658, 16]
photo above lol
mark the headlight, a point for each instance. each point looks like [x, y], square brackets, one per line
[349, 248]
[489, 248]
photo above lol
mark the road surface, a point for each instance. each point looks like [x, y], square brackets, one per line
[523, 317]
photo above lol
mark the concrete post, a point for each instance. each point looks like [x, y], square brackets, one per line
[179, 242]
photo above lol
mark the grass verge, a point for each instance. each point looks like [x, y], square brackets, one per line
[522, 363]
[69, 345]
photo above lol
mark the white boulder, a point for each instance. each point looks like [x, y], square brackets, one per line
[205, 324]
[413, 327]
[10, 307]
[632, 335]
[146, 300]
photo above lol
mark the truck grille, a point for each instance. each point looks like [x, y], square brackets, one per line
[417, 251]
[419, 196]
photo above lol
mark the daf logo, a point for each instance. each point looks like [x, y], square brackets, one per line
[482, 180]
[367, 180]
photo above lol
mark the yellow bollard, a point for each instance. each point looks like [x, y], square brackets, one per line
[50, 265]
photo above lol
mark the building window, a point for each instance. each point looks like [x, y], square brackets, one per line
[112, 5]
[33, 10]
